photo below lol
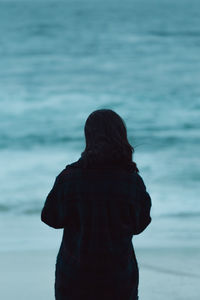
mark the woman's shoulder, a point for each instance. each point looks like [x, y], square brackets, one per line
[66, 172]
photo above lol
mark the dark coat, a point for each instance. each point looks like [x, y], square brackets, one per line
[100, 209]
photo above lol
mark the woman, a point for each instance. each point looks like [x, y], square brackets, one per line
[101, 202]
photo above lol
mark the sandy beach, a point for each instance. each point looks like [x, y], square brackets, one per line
[165, 273]
[169, 260]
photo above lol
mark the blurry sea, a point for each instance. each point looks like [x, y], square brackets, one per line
[59, 61]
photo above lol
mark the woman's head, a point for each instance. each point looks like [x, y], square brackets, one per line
[106, 138]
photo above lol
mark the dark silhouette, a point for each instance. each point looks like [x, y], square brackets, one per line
[101, 202]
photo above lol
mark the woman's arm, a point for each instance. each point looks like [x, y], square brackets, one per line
[53, 212]
[141, 209]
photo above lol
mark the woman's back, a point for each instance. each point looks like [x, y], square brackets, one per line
[101, 202]
[100, 209]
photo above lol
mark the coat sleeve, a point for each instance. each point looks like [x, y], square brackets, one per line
[53, 212]
[141, 209]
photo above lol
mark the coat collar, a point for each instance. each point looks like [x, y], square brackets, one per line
[80, 163]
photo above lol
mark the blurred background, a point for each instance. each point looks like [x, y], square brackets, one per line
[60, 60]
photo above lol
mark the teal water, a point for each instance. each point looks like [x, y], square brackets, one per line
[60, 60]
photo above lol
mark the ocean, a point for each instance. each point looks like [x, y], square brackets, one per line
[60, 60]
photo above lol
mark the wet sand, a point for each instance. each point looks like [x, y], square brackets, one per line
[165, 273]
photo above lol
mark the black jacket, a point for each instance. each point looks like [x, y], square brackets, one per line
[100, 209]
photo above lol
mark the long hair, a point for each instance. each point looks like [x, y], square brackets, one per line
[106, 140]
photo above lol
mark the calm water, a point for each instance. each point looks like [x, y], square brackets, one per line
[60, 60]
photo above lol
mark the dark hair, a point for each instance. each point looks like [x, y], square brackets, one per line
[106, 140]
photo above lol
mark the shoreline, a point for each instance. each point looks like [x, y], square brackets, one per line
[164, 273]
[167, 252]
